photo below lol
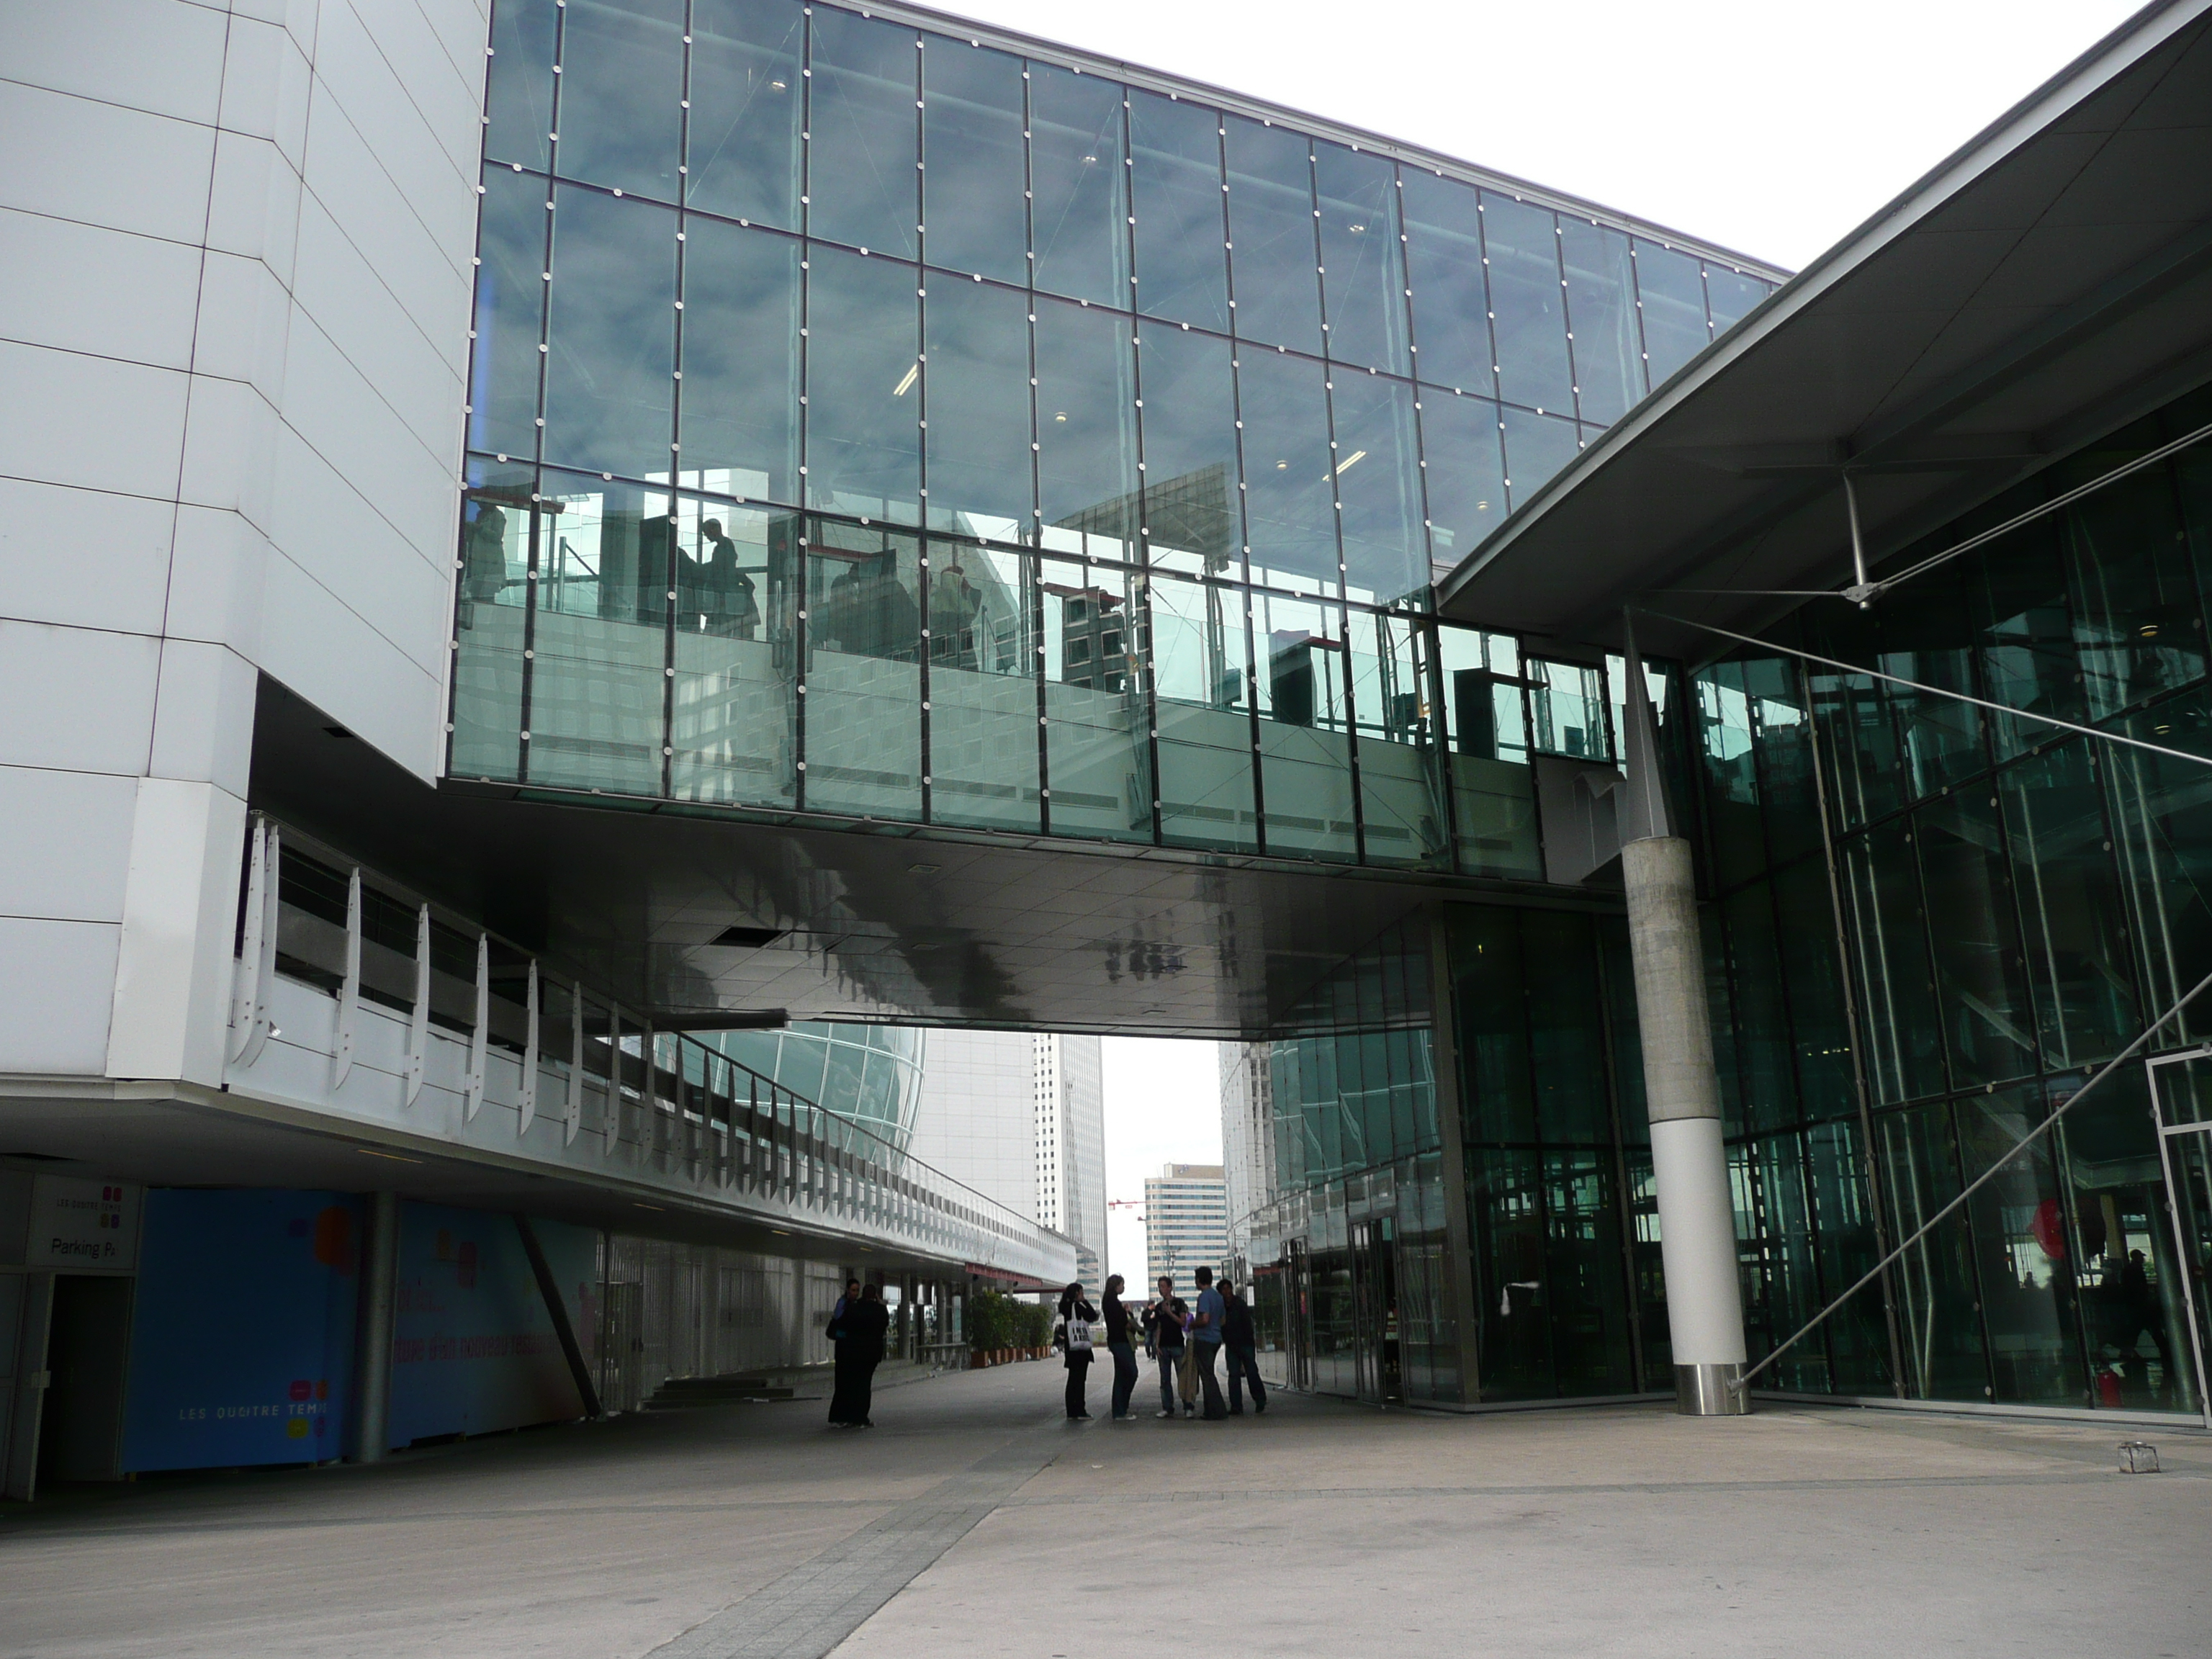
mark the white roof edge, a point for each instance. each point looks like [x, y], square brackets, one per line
[2086, 75]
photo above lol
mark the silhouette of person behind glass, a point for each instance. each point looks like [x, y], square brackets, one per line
[730, 602]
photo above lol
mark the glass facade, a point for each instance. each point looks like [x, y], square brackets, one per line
[869, 1073]
[1925, 927]
[2014, 903]
[868, 422]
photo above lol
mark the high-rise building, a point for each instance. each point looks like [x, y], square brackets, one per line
[542, 537]
[1248, 1139]
[1071, 1145]
[1021, 1117]
[1186, 1224]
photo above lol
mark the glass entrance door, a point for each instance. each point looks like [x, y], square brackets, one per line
[2174, 1306]
[2188, 1150]
[1375, 1310]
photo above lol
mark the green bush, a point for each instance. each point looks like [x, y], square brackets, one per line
[996, 1320]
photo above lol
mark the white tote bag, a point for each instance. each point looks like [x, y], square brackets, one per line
[1079, 1334]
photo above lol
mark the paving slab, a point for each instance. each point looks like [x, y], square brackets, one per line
[976, 1521]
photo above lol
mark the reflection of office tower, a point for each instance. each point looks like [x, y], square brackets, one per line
[1094, 643]
[1021, 1118]
[977, 1119]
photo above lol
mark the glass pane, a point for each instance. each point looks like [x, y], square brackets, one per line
[1192, 520]
[1882, 899]
[1199, 679]
[2077, 950]
[1086, 429]
[622, 96]
[1081, 211]
[1363, 266]
[983, 735]
[599, 686]
[1732, 294]
[863, 672]
[734, 694]
[1602, 318]
[1400, 788]
[2030, 1298]
[1183, 270]
[1506, 1228]
[1591, 1350]
[1274, 259]
[1290, 506]
[975, 172]
[1493, 792]
[510, 311]
[864, 136]
[2153, 804]
[1378, 488]
[1567, 707]
[1496, 1098]
[1811, 971]
[1097, 759]
[978, 383]
[1937, 1308]
[1463, 444]
[488, 663]
[2135, 597]
[1529, 323]
[746, 100]
[609, 379]
[1536, 447]
[1670, 293]
[1305, 759]
[1451, 302]
[740, 404]
[518, 84]
[1768, 1091]
[862, 374]
[1979, 971]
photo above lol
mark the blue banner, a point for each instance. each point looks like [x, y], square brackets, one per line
[474, 1348]
[242, 1342]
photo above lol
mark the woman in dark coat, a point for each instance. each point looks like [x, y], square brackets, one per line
[860, 1330]
[842, 1412]
[1074, 1310]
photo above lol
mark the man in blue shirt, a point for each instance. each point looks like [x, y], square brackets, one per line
[1206, 1335]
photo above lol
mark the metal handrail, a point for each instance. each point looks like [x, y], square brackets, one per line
[772, 1134]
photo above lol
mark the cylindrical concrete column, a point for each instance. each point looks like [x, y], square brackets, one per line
[1697, 1218]
[379, 1294]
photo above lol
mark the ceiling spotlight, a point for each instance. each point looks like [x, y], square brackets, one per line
[921, 869]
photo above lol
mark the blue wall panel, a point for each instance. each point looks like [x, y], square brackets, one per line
[475, 1350]
[242, 1347]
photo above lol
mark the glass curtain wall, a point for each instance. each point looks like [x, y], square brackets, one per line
[867, 421]
[1350, 1245]
[2014, 903]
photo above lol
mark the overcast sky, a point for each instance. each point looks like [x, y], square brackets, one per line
[1772, 127]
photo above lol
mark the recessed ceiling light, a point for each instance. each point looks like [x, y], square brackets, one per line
[921, 869]
[371, 1151]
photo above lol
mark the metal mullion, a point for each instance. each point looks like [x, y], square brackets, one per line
[798, 554]
[1567, 322]
[1642, 342]
[1244, 525]
[1033, 563]
[676, 443]
[1336, 519]
[1497, 399]
[1142, 562]
[1440, 720]
[1949, 1108]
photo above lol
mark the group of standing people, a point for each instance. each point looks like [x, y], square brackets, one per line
[1188, 1343]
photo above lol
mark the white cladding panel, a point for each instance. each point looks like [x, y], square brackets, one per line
[235, 269]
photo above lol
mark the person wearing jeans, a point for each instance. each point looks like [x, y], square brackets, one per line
[1239, 1348]
[1118, 1345]
[1164, 1320]
[1206, 1342]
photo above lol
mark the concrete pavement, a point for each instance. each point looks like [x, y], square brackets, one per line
[975, 1522]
